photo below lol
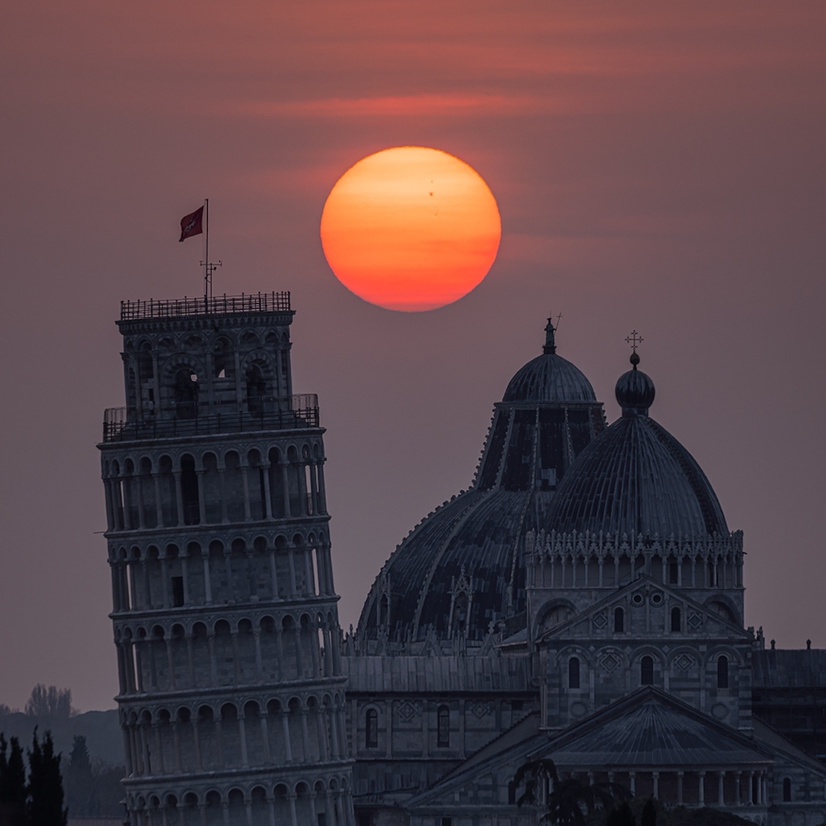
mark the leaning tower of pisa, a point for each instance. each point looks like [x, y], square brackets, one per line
[231, 694]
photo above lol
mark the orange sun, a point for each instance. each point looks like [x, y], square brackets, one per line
[410, 229]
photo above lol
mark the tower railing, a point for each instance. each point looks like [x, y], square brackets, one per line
[120, 424]
[272, 302]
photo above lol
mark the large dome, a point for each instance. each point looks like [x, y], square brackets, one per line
[462, 568]
[549, 378]
[636, 478]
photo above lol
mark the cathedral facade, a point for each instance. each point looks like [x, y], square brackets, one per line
[582, 601]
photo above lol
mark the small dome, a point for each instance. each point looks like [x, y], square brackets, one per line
[635, 391]
[549, 378]
[636, 478]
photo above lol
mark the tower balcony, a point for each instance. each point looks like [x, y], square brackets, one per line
[122, 424]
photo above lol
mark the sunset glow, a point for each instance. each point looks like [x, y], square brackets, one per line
[410, 229]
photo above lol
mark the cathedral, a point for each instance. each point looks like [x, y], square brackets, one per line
[581, 601]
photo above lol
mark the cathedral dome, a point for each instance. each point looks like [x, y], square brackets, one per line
[462, 569]
[549, 378]
[636, 478]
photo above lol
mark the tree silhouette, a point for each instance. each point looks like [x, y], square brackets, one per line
[80, 781]
[50, 703]
[566, 802]
[12, 783]
[649, 813]
[621, 815]
[45, 788]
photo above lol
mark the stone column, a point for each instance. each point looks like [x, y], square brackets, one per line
[305, 736]
[265, 734]
[267, 496]
[259, 660]
[702, 788]
[273, 573]
[632, 781]
[680, 776]
[293, 815]
[159, 748]
[242, 735]
[207, 578]
[750, 786]
[656, 776]
[170, 659]
[285, 485]
[721, 779]
[179, 497]
[228, 571]
[285, 729]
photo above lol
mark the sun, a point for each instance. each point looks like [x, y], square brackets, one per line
[410, 229]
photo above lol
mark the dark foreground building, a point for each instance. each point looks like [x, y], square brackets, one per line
[582, 600]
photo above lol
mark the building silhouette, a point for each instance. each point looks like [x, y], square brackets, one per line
[582, 601]
[224, 610]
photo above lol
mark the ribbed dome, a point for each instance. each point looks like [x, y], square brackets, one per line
[549, 378]
[635, 391]
[463, 566]
[636, 478]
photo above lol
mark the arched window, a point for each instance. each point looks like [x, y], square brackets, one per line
[722, 672]
[573, 672]
[647, 671]
[256, 391]
[619, 620]
[371, 728]
[676, 621]
[787, 790]
[443, 727]
[186, 394]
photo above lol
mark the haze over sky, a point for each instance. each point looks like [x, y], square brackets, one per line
[658, 166]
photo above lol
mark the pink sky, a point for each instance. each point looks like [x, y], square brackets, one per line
[657, 166]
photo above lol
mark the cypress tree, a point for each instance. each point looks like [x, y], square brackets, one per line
[649, 813]
[45, 804]
[12, 783]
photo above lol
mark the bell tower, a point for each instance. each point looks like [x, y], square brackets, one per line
[231, 692]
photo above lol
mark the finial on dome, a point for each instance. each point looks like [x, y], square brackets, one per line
[634, 391]
[635, 339]
[550, 342]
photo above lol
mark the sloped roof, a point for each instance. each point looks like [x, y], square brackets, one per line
[782, 668]
[645, 729]
[650, 728]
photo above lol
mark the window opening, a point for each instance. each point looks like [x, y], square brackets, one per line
[256, 391]
[722, 672]
[676, 621]
[787, 790]
[647, 671]
[177, 591]
[573, 672]
[443, 727]
[673, 573]
[186, 394]
[371, 726]
[619, 621]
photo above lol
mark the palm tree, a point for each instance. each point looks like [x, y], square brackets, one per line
[566, 802]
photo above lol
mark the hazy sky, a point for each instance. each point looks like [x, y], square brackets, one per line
[658, 166]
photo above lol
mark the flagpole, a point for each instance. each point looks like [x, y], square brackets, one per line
[206, 260]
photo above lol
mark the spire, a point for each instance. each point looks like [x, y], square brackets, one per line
[550, 344]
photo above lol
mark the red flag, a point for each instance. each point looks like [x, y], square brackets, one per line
[192, 224]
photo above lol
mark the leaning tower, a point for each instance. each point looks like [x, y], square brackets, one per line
[231, 692]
